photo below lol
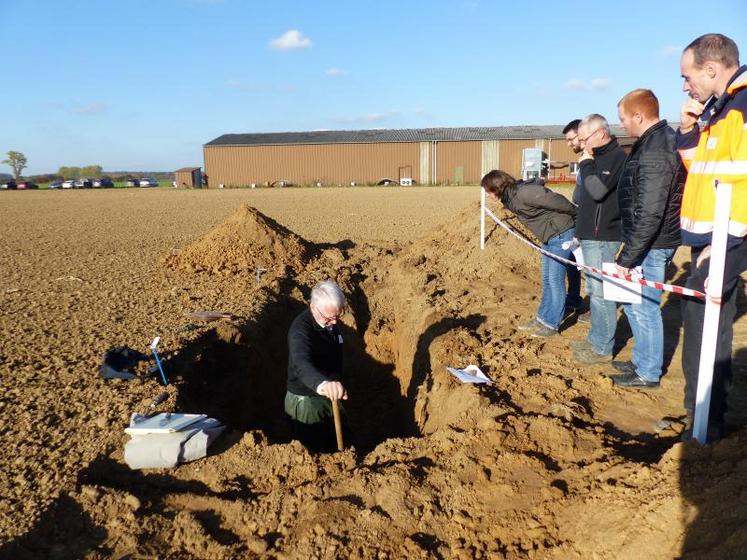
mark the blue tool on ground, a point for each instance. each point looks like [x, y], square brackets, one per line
[154, 351]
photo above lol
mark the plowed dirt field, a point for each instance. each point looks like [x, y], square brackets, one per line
[551, 461]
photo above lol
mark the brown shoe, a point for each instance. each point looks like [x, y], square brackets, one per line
[531, 325]
[585, 356]
[580, 344]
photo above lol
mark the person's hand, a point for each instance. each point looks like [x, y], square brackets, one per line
[711, 298]
[622, 270]
[333, 390]
[689, 113]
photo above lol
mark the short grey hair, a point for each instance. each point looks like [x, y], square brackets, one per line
[594, 122]
[328, 292]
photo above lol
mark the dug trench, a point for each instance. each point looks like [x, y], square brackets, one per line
[237, 370]
[412, 312]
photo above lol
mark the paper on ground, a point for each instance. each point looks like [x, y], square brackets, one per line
[621, 290]
[470, 374]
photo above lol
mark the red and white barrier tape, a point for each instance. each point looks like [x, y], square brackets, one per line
[657, 285]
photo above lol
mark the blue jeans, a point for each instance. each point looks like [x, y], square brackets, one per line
[645, 317]
[603, 313]
[552, 305]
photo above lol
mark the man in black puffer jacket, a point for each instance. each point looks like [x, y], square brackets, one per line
[649, 196]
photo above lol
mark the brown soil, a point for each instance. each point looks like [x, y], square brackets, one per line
[552, 461]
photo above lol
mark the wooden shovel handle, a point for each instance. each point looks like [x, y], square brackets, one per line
[338, 424]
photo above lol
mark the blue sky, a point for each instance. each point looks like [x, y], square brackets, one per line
[142, 84]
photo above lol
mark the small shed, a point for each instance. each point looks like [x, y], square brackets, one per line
[189, 177]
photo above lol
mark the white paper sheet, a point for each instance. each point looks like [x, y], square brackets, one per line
[621, 290]
[469, 374]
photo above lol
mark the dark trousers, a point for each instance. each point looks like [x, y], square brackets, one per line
[312, 422]
[574, 299]
[693, 312]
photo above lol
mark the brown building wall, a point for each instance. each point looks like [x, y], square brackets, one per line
[509, 158]
[453, 155]
[561, 154]
[306, 164]
[365, 163]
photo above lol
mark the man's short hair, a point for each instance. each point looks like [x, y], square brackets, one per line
[595, 121]
[641, 100]
[572, 126]
[328, 292]
[496, 181]
[714, 47]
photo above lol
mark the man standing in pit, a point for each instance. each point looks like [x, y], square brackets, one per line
[717, 95]
[598, 229]
[649, 196]
[315, 358]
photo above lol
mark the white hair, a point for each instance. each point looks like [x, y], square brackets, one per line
[594, 122]
[328, 292]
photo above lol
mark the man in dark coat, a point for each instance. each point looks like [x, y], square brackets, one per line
[598, 229]
[315, 371]
[649, 195]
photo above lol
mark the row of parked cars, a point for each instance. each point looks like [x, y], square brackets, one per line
[104, 182]
[21, 186]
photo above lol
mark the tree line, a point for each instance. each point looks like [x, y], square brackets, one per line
[17, 162]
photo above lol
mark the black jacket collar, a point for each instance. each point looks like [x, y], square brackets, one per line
[611, 145]
[658, 126]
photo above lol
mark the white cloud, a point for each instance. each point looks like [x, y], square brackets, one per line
[595, 84]
[334, 72]
[600, 84]
[575, 83]
[292, 39]
[669, 50]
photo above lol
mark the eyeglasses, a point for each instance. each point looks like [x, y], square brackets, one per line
[329, 320]
[584, 140]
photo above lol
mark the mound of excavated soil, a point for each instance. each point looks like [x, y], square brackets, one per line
[246, 241]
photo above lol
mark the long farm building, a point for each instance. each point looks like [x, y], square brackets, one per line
[448, 156]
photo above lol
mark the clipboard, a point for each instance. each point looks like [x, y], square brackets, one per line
[163, 423]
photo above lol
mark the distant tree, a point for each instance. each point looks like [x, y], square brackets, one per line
[91, 171]
[16, 161]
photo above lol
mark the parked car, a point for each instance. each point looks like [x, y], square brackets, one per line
[83, 184]
[148, 182]
[103, 182]
[133, 182]
[68, 184]
[55, 185]
[27, 185]
[8, 185]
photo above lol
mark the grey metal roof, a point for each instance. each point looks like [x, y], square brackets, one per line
[527, 132]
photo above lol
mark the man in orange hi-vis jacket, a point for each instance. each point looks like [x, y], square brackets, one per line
[715, 149]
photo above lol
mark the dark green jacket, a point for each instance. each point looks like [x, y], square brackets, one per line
[545, 212]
